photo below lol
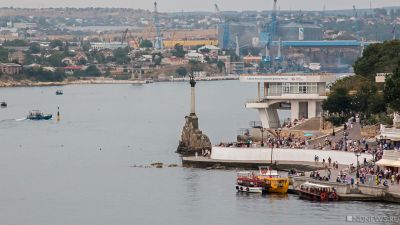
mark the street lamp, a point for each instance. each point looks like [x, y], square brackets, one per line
[345, 140]
[278, 133]
[262, 129]
[358, 153]
[373, 155]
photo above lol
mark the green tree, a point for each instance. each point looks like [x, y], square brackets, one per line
[392, 90]
[121, 56]
[146, 44]
[92, 71]
[55, 59]
[220, 66]
[179, 51]
[56, 43]
[378, 58]
[338, 102]
[15, 42]
[34, 48]
[3, 54]
[181, 71]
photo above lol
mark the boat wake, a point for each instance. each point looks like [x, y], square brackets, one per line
[22, 119]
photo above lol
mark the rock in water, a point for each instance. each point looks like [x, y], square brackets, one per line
[192, 139]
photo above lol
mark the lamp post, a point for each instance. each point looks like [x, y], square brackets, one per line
[345, 140]
[358, 153]
[278, 133]
[373, 155]
[262, 129]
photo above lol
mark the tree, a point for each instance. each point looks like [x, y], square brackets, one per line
[220, 66]
[3, 54]
[338, 102]
[34, 48]
[92, 71]
[146, 44]
[121, 56]
[55, 59]
[56, 43]
[86, 46]
[378, 58]
[15, 42]
[179, 51]
[181, 71]
[392, 90]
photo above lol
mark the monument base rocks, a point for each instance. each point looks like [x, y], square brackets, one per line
[192, 139]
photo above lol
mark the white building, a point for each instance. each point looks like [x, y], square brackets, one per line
[107, 45]
[303, 92]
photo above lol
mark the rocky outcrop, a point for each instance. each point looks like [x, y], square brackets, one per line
[192, 139]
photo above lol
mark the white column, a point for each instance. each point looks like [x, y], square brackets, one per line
[294, 105]
[312, 109]
[262, 112]
[259, 91]
[192, 101]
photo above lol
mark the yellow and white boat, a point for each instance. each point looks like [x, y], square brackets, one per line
[274, 183]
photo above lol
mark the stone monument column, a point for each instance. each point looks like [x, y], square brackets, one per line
[192, 96]
[193, 141]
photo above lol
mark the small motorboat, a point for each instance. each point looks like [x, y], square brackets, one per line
[59, 92]
[3, 104]
[38, 115]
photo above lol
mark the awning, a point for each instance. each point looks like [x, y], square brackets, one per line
[388, 162]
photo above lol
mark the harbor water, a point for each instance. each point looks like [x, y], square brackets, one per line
[85, 169]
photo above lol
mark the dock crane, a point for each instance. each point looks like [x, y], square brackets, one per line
[158, 44]
[225, 29]
[267, 35]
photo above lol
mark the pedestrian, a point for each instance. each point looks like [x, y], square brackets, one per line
[329, 161]
[323, 162]
[398, 178]
[392, 179]
[352, 182]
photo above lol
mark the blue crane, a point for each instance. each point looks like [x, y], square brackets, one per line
[226, 39]
[267, 35]
[158, 44]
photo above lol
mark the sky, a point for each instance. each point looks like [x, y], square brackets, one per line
[203, 5]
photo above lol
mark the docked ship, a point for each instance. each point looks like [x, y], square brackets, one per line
[317, 192]
[273, 182]
[248, 182]
[59, 92]
[38, 115]
[3, 104]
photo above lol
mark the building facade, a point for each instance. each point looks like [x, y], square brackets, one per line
[10, 68]
[303, 93]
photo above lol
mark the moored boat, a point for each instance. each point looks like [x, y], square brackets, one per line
[317, 192]
[38, 115]
[3, 104]
[273, 182]
[59, 92]
[248, 182]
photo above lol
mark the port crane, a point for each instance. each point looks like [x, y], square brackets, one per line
[158, 43]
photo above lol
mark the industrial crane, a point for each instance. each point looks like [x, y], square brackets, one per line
[158, 44]
[267, 35]
[225, 29]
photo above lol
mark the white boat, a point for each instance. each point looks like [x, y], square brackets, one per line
[248, 182]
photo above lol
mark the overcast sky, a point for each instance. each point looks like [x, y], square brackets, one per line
[204, 5]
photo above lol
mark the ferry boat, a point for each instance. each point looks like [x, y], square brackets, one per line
[59, 92]
[317, 192]
[248, 182]
[38, 115]
[273, 182]
[3, 104]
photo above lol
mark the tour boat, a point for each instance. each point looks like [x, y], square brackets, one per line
[59, 92]
[3, 104]
[37, 115]
[317, 192]
[273, 182]
[248, 182]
